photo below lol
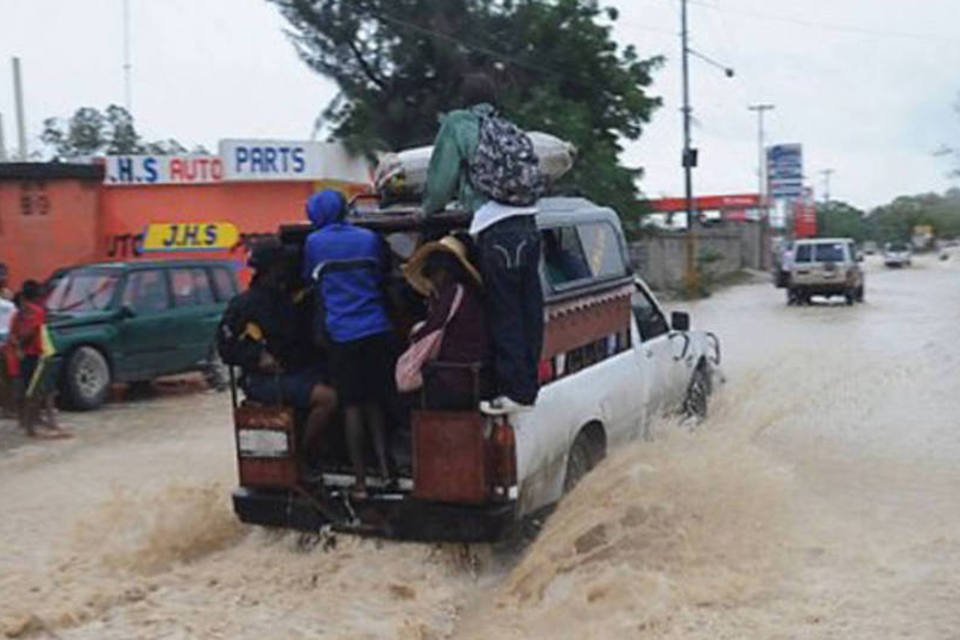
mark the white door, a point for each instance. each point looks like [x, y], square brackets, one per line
[659, 351]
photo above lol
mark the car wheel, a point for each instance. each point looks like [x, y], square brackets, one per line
[851, 296]
[216, 373]
[87, 379]
[581, 459]
[698, 394]
[860, 293]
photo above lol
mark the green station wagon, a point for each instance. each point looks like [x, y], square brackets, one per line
[134, 321]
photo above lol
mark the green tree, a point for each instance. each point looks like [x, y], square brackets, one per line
[398, 65]
[90, 132]
[895, 221]
[839, 219]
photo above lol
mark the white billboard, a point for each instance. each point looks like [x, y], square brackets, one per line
[286, 160]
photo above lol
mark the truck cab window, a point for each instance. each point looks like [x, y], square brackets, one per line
[563, 256]
[650, 321]
[602, 250]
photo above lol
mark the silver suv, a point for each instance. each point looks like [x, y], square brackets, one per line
[825, 267]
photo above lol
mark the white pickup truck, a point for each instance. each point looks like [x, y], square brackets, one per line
[612, 362]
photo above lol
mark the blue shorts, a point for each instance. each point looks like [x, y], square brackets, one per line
[293, 388]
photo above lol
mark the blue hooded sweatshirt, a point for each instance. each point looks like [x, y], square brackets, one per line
[347, 264]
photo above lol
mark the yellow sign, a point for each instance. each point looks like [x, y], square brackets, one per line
[190, 236]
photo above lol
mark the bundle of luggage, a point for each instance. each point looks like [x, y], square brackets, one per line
[401, 176]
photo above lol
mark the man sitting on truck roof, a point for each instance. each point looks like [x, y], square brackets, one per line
[490, 166]
[348, 265]
[266, 332]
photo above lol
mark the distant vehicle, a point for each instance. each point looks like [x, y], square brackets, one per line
[897, 254]
[870, 247]
[135, 321]
[825, 267]
[612, 362]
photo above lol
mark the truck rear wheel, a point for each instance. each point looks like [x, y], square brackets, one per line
[86, 379]
[584, 455]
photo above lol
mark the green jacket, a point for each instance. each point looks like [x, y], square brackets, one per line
[453, 150]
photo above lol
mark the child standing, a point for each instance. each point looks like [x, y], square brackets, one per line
[28, 336]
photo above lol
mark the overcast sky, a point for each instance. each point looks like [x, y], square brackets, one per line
[867, 86]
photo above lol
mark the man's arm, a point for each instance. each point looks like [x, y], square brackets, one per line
[443, 172]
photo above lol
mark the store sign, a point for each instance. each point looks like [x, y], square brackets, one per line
[190, 236]
[805, 215]
[785, 171]
[285, 160]
[138, 170]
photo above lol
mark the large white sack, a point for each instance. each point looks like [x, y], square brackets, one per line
[404, 173]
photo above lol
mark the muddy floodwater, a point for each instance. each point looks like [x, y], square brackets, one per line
[821, 499]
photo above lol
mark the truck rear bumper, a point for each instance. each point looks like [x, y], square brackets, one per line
[404, 519]
[832, 289]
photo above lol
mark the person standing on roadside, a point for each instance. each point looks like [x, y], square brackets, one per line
[32, 346]
[489, 165]
[347, 265]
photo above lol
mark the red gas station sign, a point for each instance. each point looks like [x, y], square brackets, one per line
[805, 216]
[739, 201]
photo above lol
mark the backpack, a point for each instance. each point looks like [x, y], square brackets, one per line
[505, 167]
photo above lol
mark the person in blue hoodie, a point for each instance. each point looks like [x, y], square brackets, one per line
[348, 266]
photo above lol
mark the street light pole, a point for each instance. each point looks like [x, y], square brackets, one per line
[761, 181]
[691, 279]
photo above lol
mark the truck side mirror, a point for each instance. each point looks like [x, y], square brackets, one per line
[126, 311]
[680, 321]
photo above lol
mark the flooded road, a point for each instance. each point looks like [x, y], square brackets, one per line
[819, 500]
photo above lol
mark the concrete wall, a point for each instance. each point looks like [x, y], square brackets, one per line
[661, 259]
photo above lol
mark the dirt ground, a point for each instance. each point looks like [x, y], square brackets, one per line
[819, 500]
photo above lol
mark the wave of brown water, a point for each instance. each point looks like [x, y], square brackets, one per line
[659, 533]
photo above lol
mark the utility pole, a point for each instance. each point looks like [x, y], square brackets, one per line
[826, 184]
[760, 109]
[127, 90]
[691, 278]
[18, 102]
[761, 159]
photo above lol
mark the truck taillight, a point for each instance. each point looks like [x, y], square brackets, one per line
[503, 459]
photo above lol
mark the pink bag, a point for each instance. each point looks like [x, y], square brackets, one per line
[409, 372]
